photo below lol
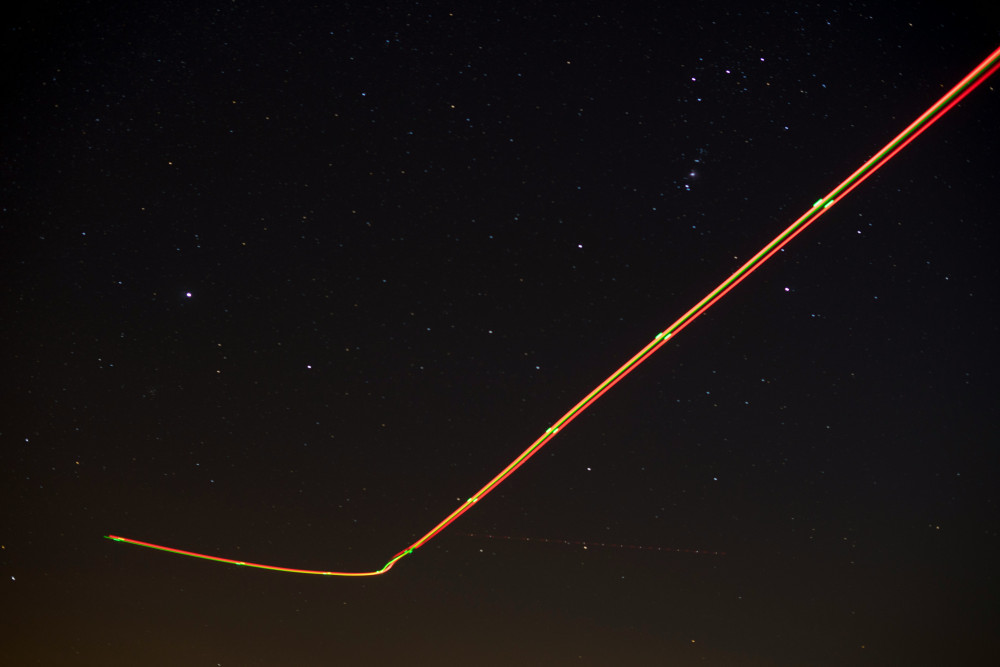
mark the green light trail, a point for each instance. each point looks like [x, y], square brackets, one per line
[981, 73]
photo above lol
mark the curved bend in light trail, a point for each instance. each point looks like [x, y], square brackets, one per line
[982, 72]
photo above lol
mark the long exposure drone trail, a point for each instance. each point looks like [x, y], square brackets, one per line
[276, 568]
[982, 72]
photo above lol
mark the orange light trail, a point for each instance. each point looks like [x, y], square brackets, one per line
[977, 76]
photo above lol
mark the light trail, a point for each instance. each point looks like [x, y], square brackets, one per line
[293, 570]
[973, 79]
[587, 545]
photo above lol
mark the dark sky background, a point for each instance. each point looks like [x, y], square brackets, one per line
[287, 283]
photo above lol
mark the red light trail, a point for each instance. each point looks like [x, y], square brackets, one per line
[972, 80]
[588, 545]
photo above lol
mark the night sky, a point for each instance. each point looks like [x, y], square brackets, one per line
[287, 283]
